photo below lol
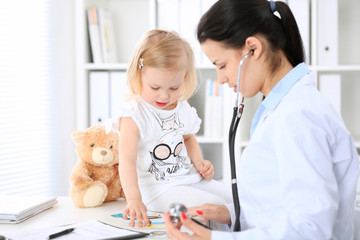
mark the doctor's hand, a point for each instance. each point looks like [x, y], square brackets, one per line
[213, 212]
[173, 231]
[205, 169]
[136, 209]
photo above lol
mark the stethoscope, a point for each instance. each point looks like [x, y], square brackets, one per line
[237, 113]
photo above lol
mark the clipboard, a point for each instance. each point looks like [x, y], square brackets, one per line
[130, 236]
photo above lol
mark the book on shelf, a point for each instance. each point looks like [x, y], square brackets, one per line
[102, 36]
[94, 35]
[205, 6]
[213, 109]
[190, 14]
[168, 15]
[183, 17]
[107, 36]
[15, 209]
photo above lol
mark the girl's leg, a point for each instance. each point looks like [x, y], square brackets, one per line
[190, 196]
[215, 187]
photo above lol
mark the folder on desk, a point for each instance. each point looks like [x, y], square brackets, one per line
[15, 209]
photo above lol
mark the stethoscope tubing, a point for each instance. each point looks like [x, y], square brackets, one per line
[237, 113]
[232, 134]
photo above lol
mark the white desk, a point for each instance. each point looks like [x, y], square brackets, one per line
[66, 213]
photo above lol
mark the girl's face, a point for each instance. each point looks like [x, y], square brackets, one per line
[226, 61]
[161, 87]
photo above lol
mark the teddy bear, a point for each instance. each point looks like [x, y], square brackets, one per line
[95, 178]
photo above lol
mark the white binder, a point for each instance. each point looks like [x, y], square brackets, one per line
[168, 15]
[330, 87]
[99, 96]
[206, 5]
[190, 13]
[119, 91]
[327, 32]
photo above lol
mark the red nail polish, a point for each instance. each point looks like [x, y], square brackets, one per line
[199, 212]
[183, 214]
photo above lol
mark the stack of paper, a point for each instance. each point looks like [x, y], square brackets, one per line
[91, 229]
[15, 209]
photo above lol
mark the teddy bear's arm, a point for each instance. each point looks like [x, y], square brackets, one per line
[85, 192]
[80, 177]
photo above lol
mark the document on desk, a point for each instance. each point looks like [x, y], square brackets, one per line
[91, 229]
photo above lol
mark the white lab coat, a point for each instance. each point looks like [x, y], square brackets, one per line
[297, 177]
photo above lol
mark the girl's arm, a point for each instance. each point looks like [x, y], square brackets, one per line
[204, 167]
[128, 141]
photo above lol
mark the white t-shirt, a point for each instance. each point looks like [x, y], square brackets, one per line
[162, 160]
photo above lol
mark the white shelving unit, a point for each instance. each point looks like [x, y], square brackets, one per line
[132, 18]
[348, 62]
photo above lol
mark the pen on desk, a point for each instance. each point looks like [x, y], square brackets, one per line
[66, 231]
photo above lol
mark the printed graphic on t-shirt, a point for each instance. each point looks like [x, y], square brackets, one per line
[169, 123]
[165, 155]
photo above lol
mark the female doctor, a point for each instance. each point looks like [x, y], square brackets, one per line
[297, 176]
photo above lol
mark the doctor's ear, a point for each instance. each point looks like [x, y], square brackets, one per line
[253, 44]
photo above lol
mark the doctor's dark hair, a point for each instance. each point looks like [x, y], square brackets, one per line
[231, 22]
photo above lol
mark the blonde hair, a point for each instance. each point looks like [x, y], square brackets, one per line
[162, 49]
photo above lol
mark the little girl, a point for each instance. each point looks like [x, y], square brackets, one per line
[159, 157]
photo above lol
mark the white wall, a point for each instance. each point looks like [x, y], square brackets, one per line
[66, 85]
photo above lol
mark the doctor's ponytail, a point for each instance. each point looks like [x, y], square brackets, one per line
[231, 22]
[294, 49]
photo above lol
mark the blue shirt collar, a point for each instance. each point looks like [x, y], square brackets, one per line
[278, 92]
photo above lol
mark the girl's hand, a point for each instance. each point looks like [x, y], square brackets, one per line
[136, 209]
[213, 212]
[206, 170]
[173, 231]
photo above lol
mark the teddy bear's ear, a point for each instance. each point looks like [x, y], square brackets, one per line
[78, 135]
